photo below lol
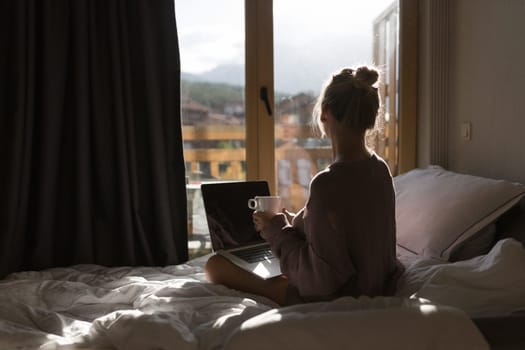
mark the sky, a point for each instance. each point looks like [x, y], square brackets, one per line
[311, 38]
[211, 33]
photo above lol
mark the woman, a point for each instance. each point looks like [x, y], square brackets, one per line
[343, 241]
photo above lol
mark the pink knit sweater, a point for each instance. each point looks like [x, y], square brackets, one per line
[343, 241]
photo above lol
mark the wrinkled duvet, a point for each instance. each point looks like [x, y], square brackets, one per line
[173, 307]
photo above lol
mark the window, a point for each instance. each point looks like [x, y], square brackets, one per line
[212, 50]
[233, 49]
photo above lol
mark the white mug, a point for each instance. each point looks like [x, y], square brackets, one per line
[271, 204]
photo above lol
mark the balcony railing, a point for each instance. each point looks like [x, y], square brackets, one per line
[228, 163]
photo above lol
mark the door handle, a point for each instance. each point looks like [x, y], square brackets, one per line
[263, 94]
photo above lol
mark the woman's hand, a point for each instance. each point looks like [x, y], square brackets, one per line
[289, 215]
[261, 219]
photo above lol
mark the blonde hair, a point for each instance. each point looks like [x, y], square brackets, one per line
[351, 97]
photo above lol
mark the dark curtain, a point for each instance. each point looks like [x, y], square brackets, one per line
[92, 169]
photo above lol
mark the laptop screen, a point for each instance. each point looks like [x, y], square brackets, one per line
[229, 218]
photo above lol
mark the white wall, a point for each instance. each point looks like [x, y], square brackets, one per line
[486, 79]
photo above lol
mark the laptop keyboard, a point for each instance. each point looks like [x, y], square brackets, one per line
[254, 254]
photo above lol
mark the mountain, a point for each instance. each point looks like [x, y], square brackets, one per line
[231, 74]
[298, 68]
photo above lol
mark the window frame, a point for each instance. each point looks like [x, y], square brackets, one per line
[260, 138]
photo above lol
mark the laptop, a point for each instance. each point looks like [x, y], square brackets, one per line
[232, 232]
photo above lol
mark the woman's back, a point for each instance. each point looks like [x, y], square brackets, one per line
[360, 204]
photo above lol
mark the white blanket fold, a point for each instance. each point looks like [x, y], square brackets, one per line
[364, 323]
[492, 284]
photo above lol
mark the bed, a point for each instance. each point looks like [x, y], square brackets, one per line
[463, 292]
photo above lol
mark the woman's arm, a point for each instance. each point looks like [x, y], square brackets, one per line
[316, 262]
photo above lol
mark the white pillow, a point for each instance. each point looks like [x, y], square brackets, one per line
[438, 210]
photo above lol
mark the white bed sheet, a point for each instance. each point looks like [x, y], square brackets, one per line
[90, 306]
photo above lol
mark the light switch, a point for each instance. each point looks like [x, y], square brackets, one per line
[466, 131]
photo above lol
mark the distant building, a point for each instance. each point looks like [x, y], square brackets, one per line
[194, 113]
[300, 105]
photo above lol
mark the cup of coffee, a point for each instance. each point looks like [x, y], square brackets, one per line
[270, 204]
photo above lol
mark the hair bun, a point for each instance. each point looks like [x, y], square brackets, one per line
[367, 75]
